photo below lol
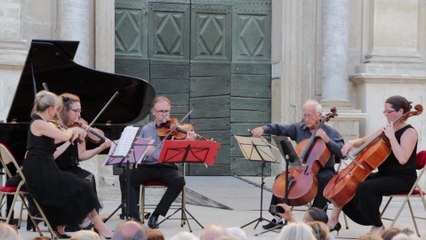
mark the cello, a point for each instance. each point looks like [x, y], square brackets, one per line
[302, 181]
[342, 187]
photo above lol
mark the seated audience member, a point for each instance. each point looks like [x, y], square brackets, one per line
[212, 232]
[312, 214]
[85, 235]
[389, 233]
[296, 230]
[130, 230]
[320, 230]
[370, 237]
[184, 236]
[237, 233]
[155, 234]
[8, 232]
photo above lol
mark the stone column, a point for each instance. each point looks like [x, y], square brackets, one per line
[75, 22]
[335, 56]
[12, 52]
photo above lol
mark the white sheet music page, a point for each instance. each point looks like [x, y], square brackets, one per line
[125, 142]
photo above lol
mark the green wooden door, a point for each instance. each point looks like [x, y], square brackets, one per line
[211, 56]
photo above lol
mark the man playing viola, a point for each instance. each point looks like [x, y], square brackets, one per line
[312, 114]
[150, 170]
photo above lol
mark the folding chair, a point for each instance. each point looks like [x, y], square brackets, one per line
[6, 158]
[415, 191]
[143, 205]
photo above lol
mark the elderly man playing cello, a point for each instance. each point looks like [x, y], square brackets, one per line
[312, 114]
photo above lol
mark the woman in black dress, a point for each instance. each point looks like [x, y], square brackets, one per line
[396, 174]
[68, 155]
[65, 198]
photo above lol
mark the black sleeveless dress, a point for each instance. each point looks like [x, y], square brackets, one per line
[392, 177]
[65, 198]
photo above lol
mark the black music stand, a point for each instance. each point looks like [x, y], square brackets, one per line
[188, 151]
[290, 156]
[129, 150]
[257, 149]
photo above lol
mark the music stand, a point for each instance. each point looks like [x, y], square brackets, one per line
[290, 156]
[130, 149]
[257, 149]
[188, 151]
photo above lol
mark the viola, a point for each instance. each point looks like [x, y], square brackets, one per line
[173, 129]
[302, 181]
[342, 187]
[95, 135]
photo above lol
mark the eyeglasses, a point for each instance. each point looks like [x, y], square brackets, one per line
[389, 111]
[162, 111]
[76, 110]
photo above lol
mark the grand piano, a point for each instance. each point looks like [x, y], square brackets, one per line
[51, 62]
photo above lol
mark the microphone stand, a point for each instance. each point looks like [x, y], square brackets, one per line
[287, 187]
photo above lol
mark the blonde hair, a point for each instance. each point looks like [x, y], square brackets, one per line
[320, 230]
[85, 235]
[8, 232]
[43, 100]
[298, 230]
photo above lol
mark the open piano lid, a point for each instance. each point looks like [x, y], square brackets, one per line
[52, 62]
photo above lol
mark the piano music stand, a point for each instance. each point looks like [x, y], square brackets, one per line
[188, 151]
[135, 152]
[257, 149]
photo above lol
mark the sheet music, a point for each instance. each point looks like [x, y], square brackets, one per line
[255, 148]
[125, 141]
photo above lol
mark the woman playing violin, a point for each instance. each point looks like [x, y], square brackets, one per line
[150, 170]
[312, 114]
[65, 198]
[69, 154]
[396, 174]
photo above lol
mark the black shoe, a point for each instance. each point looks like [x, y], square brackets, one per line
[62, 236]
[336, 228]
[272, 224]
[152, 222]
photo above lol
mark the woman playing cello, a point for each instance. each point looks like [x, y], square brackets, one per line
[396, 174]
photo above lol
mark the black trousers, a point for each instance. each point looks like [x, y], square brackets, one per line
[324, 175]
[168, 174]
[364, 208]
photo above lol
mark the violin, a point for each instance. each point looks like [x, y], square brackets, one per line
[95, 135]
[173, 129]
[302, 182]
[342, 187]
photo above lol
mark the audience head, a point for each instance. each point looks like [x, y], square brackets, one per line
[297, 230]
[155, 234]
[370, 237]
[212, 232]
[130, 230]
[237, 233]
[320, 230]
[85, 235]
[315, 214]
[389, 233]
[8, 232]
[184, 236]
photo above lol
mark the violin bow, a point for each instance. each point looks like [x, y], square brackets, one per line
[102, 110]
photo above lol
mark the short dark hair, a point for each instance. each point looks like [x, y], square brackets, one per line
[317, 214]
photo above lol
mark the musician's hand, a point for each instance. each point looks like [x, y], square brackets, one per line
[347, 148]
[323, 135]
[79, 133]
[287, 215]
[389, 131]
[257, 132]
[190, 135]
[150, 150]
